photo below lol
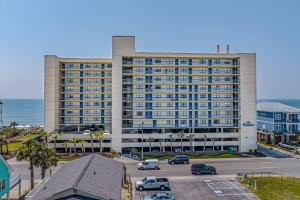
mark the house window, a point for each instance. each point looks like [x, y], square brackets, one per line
[3, 184]
[277, 116]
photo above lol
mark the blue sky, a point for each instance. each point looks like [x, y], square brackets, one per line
[83, 28]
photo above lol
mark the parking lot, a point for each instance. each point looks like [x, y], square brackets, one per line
[202, 187]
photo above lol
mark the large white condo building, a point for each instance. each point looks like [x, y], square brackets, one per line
[154, 101]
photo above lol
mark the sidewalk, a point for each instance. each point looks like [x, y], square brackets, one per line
[280, 150]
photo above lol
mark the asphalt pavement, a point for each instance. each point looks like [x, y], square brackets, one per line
[286, 166]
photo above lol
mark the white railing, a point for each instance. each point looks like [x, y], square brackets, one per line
[37, 188]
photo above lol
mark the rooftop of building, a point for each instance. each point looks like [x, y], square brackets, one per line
[93, 175]
[276, 107]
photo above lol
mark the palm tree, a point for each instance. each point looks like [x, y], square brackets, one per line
[205, 137]
[29, 152]
[46, 158]
[100, 135]
[190, 137]
[55, 134]
[13, 126]
[297, 134]
[66, 147]
[171, 139]
[181, 135]
[74, 140]
[274, 135]
[91, 134]
[160, 144]
[150, 143]
[82, 142]
[45, 135]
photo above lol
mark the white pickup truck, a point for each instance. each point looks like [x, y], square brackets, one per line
[151, 182]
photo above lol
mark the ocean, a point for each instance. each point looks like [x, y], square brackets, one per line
[31, 111]
[23, 111]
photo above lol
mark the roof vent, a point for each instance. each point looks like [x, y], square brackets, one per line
[94, 172]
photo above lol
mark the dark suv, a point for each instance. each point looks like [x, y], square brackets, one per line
[180, 159]
[200, 168]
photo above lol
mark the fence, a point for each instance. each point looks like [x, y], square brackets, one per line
[251, 178]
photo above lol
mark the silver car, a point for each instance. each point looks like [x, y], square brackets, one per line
[149, 164]
[159, 196]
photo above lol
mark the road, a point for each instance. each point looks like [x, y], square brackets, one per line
[287, 166]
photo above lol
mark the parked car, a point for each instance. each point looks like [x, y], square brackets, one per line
[200, 168]
[149, 164]
[86, 132]
[151, 182]
[159, 196]
[179, 159]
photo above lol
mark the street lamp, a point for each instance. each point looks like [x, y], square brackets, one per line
[142, 154]
[204, 142]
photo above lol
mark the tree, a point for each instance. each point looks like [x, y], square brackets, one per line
[205, 138]
[171, 139]
[4, 133]
[297, 134]
[191, 137]
[91, 134]
[13, 125]
[55, 134]
[46, 158]
[66, 147]
[74, 140]
[274, 135]
[99, 135]
[29, 152]
[45, 135]
[82, 142]
[181, 136]
[151, 139]
[160, 144]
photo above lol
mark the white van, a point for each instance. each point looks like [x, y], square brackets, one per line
[149, 164]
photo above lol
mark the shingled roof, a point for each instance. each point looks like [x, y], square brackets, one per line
[92, 176]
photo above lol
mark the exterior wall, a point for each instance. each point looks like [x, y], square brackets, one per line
[121, 46]
[248, 135]
[4, 176]
[283, 122]
[213, 98]
[51, 93]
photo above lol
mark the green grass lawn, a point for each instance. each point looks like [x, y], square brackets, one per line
[275, 188]
[166, 157]
[14, 145]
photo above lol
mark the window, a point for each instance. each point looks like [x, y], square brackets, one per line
[157, 61]
[2, 184]
[277, 116]
[170, 78]
[169, 61]
[183, 122]
[202, 61]
[139, 113]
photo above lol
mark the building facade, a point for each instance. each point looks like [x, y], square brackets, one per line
[277, 117]
[156, 101]
[4, 177]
